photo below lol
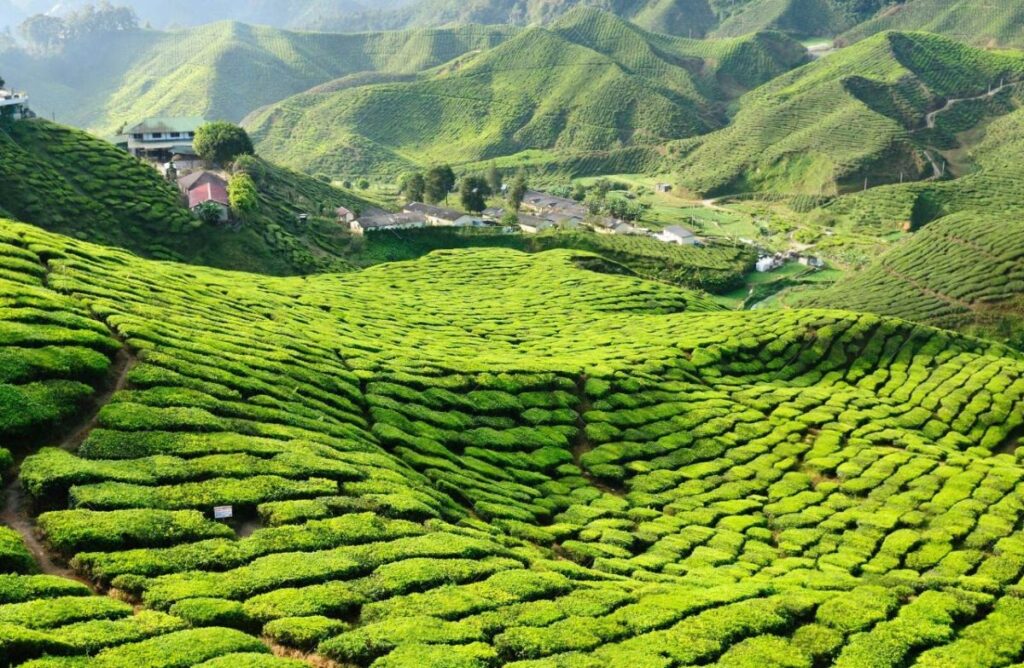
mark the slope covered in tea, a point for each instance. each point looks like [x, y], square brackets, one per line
[488, 458]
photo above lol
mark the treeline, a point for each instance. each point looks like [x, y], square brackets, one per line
[47, 33]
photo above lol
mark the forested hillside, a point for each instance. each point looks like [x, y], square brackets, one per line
[587, 83]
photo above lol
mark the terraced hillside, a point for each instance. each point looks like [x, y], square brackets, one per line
[220, 71]
[997, 24]
[863, 113]
[487, 458]
[964, 271]
[587, 84]
[71, 182]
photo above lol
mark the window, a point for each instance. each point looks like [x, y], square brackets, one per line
[158, 135]
[175, 135]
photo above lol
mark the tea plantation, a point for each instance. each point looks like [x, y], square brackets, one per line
[489, 458]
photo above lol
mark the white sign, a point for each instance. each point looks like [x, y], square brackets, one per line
[223, 512]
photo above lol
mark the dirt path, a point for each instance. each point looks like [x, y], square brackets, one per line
[937, 172]
[17, 512]
[930, 121]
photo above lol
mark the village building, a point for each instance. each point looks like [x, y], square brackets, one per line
[210, 192]
[811, 261]
[161, 138]
[542, 204]
[677, 234]
[663, 187]
[375, 220]
[534, 224]
[345, 216]
[14, 105]
[493, 214]
[441, 217]
[768, 263]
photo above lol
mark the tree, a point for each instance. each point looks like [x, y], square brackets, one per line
[440, 180]
[517, 191]
[494, 181]
[413, 187]
[510, 219]
[221, 142]
[42, 32]
[473, 192]
[363, 184]
[242, 195]
[208, 213]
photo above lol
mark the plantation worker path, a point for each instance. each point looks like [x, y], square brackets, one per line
[930, 118]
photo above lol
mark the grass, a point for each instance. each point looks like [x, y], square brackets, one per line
[484, 457]
[997, 27]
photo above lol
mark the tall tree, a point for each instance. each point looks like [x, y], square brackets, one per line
[414, 187]
[517, 191]
[42, 32]
[494, 179]
[439, 181]
[222, 142]
[473, 192]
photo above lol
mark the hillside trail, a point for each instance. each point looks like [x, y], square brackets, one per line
[930, 119]
[16, 512]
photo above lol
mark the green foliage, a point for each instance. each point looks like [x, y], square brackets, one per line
[473, 193]
[242, 195]
[222, 142]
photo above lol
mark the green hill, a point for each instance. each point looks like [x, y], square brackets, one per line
[996, 24]
[220, 71]
[685, 18]
[486, 458]
[71, 182]
[858, 114]
[964, 271]
[587, 83]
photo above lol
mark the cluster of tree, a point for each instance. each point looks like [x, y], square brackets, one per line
[431, 187]
[46, 32]
[242, 195]
[221, 142]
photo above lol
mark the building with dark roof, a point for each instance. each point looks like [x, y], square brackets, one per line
[162, 137]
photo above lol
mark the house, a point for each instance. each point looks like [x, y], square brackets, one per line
[540, 204]
[663, 187]
[677, 234]
[162, 137]
[768, 263]
[374, 220]
[494, 213]
[345, 216]
[196, 179]
[625, 228]
[441, 217]
[14, 105]
[534, 224]
[811, 261]
[210, 191]
[604, 225]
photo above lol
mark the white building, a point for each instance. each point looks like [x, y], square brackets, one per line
[14, 105]
[676, 234]
[162, 137]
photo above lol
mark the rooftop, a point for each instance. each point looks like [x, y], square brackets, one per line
[434, 211]
[207, 192]
[167, 124]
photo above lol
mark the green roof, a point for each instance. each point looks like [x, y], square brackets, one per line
[167, 124]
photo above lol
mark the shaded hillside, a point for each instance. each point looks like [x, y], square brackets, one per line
[220, 71]
[588, 83]
[858, 114]
[485, 459]
[993, 24]
[71, 182]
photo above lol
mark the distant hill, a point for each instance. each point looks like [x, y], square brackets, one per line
[993, 24]
[687, 18]
[221, 71]
[858, 114]
[70, 182]
[589, 82]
